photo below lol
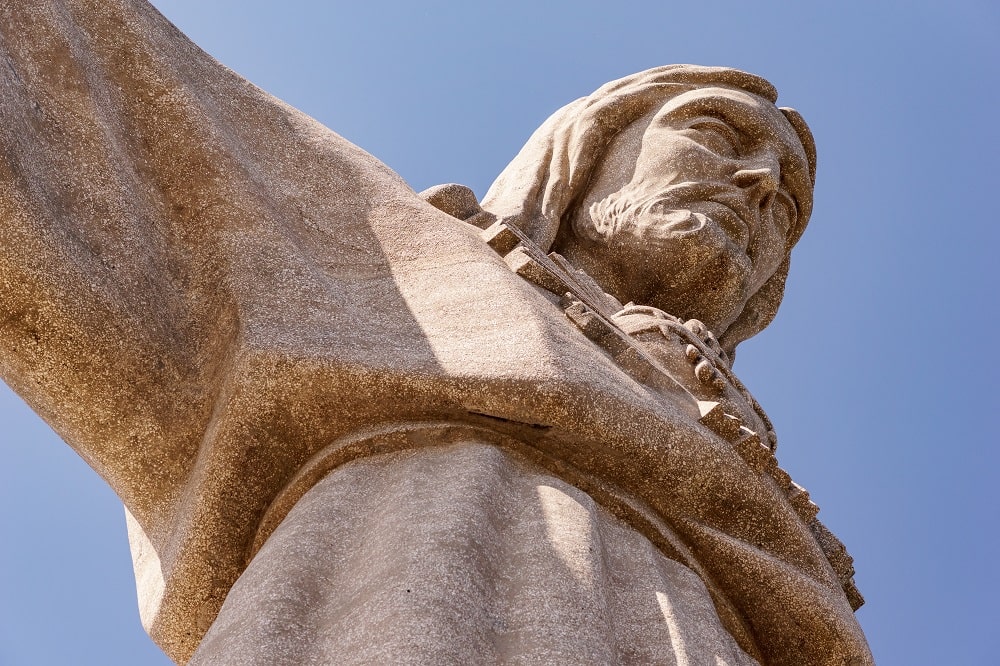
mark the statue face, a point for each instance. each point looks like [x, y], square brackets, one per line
[693, 206]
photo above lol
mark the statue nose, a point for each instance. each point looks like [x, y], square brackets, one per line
[760, 186]
[765, 180]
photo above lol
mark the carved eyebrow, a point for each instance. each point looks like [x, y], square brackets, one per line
[714, 118]
[718, 107]
[733, 134]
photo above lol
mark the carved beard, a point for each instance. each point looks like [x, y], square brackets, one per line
[678, 250]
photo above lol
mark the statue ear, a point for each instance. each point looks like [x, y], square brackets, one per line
[798, 123]
[758, 312]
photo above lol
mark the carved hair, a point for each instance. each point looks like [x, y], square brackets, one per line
[549, 177]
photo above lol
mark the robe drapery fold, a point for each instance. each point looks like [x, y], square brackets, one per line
[382, 563]
[202, 289]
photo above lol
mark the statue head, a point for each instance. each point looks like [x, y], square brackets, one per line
[680, 187]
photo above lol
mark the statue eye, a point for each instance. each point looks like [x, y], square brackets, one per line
[717, 136]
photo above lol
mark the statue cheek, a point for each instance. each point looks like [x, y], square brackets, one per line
[768, 251]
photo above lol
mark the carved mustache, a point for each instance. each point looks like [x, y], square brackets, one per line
[681, 208]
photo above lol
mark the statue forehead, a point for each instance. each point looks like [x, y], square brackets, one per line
[751, 115]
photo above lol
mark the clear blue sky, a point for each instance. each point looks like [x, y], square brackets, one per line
[879, 371]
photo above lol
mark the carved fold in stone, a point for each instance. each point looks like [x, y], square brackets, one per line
[596, 328]
[460, 202]
[711, 365]
[589, 323]
[706, 336]
[755, 451]
[708, 375]
[799, 497]
[500, 237]
[586, 287]
[715, 419]
[758, 456]
[745, 441]
[782, 478]
[522, 263]
[841, 561]
[854, 596]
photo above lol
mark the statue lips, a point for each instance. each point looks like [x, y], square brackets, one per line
[735, 221]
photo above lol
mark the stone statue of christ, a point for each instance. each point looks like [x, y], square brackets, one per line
[354, 424]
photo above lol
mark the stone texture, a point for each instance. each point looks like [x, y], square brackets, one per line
[380, 562]
[294, 369]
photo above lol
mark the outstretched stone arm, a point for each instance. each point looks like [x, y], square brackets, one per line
[157, 213]
[115, 312]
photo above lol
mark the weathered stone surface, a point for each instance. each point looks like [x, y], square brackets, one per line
[293, 369]
[382, 563]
